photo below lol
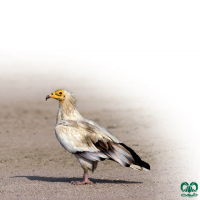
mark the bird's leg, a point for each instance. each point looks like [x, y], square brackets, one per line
[84, 181]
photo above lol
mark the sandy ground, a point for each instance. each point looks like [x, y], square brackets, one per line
[34, 165]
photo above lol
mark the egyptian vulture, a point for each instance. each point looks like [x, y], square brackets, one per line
[89, 141]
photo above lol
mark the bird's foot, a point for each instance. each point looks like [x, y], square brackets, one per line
[83, 182]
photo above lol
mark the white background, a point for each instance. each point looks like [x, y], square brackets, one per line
[168, 80]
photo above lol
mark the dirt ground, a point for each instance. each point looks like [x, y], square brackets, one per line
[34, 165]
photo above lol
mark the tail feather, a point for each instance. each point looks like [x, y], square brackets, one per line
[136, 167]
[145, 165]
[122, 154]
[137, 160]
[126, 161]
[116, 158]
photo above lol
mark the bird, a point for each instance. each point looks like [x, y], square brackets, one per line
[88, 141]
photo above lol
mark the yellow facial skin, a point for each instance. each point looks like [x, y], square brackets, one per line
[58, 95]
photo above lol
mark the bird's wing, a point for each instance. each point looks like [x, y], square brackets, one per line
[104, 132]
[80, 135]
[94, 144]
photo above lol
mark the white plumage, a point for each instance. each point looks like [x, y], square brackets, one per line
[89, 141]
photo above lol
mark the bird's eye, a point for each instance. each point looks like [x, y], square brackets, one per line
[60, 93]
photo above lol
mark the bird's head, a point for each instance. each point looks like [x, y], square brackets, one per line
[59, 95]
[62, 95]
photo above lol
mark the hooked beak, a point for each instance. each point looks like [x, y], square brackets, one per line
[47, 97]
